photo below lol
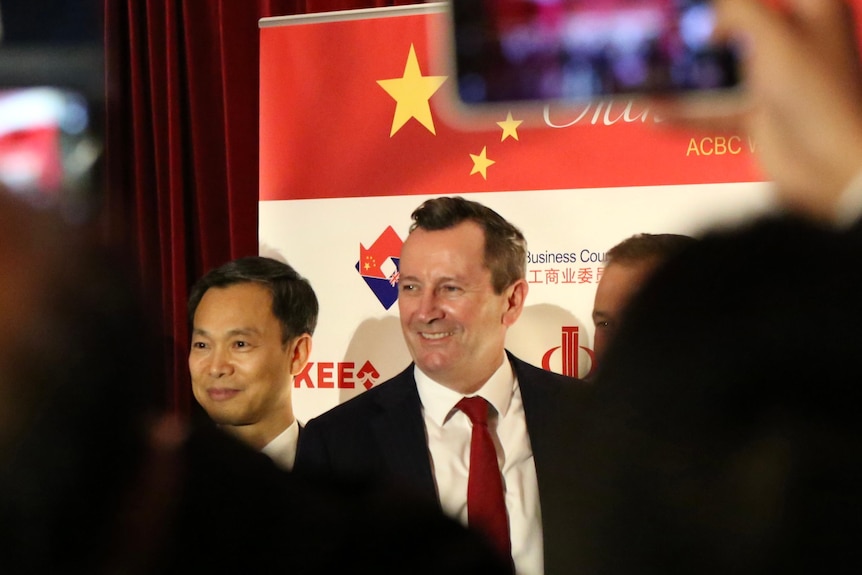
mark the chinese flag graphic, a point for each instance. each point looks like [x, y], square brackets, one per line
[367, 108]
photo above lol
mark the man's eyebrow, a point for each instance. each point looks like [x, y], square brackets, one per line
[449, 279]
[437, 280]
[244, 331]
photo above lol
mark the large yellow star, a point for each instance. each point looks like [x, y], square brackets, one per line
[481, 163]
[411, 93]
[510, 127]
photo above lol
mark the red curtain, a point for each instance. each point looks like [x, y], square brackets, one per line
[181, 137]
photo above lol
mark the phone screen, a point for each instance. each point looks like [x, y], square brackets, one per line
[515, 50]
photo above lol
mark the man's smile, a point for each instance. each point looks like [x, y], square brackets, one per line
[435, 335]
[222, 393]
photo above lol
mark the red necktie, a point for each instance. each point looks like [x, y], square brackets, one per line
[486, 505]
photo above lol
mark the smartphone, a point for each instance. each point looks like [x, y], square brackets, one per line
[522, 50]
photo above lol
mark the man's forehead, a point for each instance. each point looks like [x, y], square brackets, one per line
[464, 238]
[243, 304]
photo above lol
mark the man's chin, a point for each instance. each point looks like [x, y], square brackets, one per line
[227, 419]
[438, 370]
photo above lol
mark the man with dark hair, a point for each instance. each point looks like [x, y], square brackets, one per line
[629, 265]
[462, 284]
[252, 320]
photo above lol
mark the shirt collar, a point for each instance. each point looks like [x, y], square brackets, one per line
[282, 449]
[438, 401]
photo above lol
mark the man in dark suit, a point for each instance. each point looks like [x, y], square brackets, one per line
[461, 286]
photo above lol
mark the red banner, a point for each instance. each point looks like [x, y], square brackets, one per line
[368, 110]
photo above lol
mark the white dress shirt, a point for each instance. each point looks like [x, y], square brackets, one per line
[449, 431]
[282, 449]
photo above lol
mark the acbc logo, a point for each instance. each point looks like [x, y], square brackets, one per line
[336, 374]
[571, 352]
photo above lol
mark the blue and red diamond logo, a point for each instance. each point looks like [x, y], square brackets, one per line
[379, 266]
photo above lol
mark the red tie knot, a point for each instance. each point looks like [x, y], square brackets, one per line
[476, 408]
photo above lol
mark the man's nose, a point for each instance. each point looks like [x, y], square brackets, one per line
[429, 307]
[220, 363]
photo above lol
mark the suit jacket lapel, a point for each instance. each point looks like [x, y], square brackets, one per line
[539, 408]
[399, 430]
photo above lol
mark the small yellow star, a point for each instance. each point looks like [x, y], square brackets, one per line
[481, 163]
[510, 127]
[411, 93]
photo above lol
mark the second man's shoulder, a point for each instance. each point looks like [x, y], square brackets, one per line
[391, 392]
[529, 374]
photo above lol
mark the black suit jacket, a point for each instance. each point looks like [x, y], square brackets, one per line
[233, 497]
[381, 435]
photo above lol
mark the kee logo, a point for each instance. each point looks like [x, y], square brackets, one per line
[571, 352]
[336, 374]
[379, 266]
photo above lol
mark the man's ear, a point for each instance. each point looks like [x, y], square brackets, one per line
[516, 294]
[300, 350]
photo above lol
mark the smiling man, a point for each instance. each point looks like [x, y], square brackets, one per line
[252, 321]
[494, 461]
